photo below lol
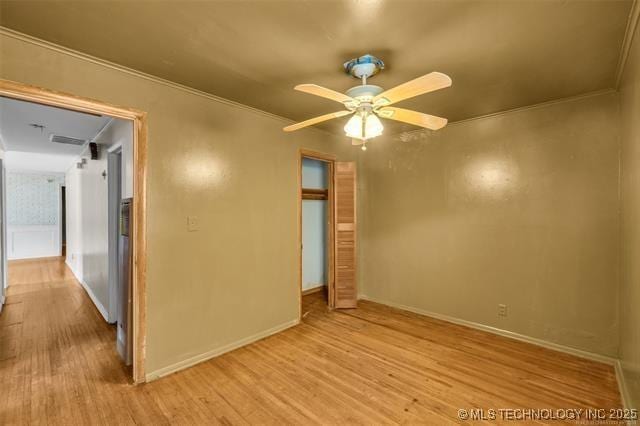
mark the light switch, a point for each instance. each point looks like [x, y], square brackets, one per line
[192, 223]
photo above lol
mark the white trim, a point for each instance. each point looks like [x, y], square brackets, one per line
[627, 42]
[92, 296]
[181, 365]
[95, 300]
[114, 195]
[114, 148]
[622, 385]
[505, 333]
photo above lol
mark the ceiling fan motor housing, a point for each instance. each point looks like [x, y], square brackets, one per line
[364, 93]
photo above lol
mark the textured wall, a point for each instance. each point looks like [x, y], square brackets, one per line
[518, 209]
[33, 198]
[630, 282]
[237, 276]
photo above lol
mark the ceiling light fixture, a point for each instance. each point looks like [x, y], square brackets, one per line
[368, 102]
[363, 125]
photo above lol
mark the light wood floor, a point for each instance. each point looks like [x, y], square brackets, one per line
[373, 365]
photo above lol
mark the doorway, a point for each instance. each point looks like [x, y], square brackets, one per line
[316, 227]
[326, 230]
[137, 124]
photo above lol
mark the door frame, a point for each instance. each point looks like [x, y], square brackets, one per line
[114, 189]
[330, 160]
[61, 219]
[25, 92]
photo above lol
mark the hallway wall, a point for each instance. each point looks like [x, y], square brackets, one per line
[88, 215]
[33, 214]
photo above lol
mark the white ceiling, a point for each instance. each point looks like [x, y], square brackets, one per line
[29, 148]
[17, 134]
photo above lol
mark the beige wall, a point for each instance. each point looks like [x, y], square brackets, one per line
[517, 209]
[630, 183]
[237, 276]
[520, 209]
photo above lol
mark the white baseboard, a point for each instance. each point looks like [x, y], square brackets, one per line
[100, 306]
[73, 271]
[94, 299]
[189, 362]
[510, 334]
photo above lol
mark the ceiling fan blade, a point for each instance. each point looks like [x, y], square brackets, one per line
[413, 117]
[419, 86]
[316, 120]
[314, 89]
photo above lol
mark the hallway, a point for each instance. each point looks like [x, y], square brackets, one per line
[56, 348]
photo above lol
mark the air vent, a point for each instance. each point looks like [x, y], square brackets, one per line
[67, 140]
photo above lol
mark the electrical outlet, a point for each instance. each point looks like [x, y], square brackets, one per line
[192, 223]
[502, 310]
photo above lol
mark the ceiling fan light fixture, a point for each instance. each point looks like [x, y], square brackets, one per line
[372, 126]
[353, 128]
[368, 103]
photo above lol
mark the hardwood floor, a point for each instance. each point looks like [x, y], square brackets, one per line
[373, 365]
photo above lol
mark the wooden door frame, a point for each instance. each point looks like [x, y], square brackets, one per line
[330, 160]
[25, 92]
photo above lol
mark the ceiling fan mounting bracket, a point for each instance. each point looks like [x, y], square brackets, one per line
[363, 67]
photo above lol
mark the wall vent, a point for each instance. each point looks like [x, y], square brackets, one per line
[67, 140]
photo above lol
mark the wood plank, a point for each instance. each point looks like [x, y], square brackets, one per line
[371, 365]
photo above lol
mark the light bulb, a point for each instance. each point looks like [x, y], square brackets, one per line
[353, 128]
[364, 147]
[372, 126]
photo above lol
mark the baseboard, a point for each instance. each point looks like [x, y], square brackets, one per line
[73, 271]
[33, 259]
[94, 299]
[313, 290]
[189, 362]
[622, 385]
[505, 333]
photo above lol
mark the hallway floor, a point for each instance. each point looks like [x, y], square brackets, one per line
[373, 365]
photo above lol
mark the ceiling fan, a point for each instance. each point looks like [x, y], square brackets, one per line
[368, 102]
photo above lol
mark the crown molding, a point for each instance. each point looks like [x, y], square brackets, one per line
[631, 24]
[519, 109]
[630, 31]
[112, 65]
